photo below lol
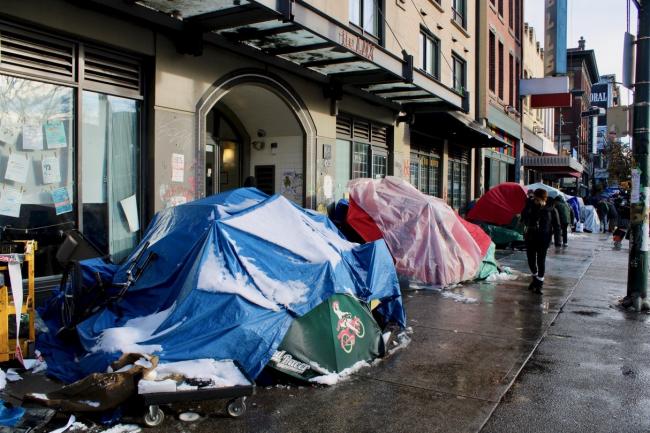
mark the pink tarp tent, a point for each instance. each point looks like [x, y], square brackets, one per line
[425, 236]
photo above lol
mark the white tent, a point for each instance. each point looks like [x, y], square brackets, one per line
[552, 192]
[590, 218]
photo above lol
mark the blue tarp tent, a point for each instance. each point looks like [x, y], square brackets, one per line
[226, 277]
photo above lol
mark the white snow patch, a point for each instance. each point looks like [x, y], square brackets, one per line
[334, 378]
[126, 338]
[143, 362]
[78, 426]
[220, 373]
[3, 379]
[293, 230]
[403, 340]
[214, 276]
[90, 403]
[577, 235]
[457, 297]
[501, 276]
[153, 386]
[12, 375]
[282, 292]
[123, 428]
[238, 207]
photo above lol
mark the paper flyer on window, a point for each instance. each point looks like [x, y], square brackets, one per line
[32, 136]
[9, 133]
[130, 208]
[10, 201]
[51, 171]
[17, 168]
[61, 201]
[55, 134]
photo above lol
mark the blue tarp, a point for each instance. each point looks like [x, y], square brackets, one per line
[231, 272]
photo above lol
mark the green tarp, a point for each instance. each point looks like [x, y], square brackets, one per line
[502, 236]
[332, 337]
[489, 264]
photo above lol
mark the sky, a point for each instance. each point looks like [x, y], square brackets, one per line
[601, 22]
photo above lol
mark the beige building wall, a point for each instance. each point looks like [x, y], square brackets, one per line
[539, 121]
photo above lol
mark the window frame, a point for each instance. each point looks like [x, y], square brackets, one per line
[492, 62]
[378, 6]
[79, 85]
[372, 148]
[416, 157]
[459, 12]
[427, 37]
[457, 60]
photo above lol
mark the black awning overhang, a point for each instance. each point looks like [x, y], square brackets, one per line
[293, 31]
[460, 128]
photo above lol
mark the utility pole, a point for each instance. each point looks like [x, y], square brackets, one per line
[637, 277]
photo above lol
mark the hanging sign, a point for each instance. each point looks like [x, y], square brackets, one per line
[55, 134]
[32, 136]
[51, 172]
[10, 200]
[61, 201]
[17, 168]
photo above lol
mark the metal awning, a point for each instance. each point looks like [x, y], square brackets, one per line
[298, 34]
[553, 164]
[460, 128]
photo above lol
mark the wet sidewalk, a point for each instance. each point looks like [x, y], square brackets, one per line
[466, 352]
[590, 372]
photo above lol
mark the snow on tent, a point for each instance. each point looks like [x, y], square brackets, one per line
[552, 192]
[224, 278]
[429, 241]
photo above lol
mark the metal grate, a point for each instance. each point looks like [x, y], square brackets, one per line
[24, 52]
[343, 127]
[106, 68]
[361, 130]
[379, 135]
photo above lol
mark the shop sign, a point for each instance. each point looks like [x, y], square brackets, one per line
[357, 44]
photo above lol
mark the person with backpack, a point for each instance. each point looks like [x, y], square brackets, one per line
[566, 217]
[542, 221]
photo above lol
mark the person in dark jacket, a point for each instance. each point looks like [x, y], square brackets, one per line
[612, 217]
[542, 221]
[565, 214]
[602, 209]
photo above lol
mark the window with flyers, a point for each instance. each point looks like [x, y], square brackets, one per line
[71, 150]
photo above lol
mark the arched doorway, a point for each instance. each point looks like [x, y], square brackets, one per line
[252, 124]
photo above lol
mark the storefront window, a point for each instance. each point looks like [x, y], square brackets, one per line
[110, 161]
[342, 168]
[379, 164]
[37, 165]
[425, 173]
[360, 160]
[457, 177]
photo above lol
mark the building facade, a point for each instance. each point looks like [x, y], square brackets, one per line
[539, 127]
[576, 134]
[499, 60]
[114, 110]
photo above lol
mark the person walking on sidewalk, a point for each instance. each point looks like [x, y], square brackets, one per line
[566, 217]
[602, 208]
[542, 221]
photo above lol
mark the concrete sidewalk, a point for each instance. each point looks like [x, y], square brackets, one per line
[463, 359]
[591, 372]
[468, 349]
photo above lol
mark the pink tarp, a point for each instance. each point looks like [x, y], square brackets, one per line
[425, 236]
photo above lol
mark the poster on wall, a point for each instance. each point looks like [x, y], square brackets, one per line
[291, 185]
[17, 168]
[32, 136]
[10, 200]
[178, 167]
[51, 171]
[61, 201]
[55, 134]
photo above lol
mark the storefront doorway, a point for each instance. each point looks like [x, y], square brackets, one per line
[252, 132]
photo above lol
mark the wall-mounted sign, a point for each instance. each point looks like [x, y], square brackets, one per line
[555, 24]
[357, 44]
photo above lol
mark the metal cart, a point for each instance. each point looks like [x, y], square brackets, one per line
[236, 396]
